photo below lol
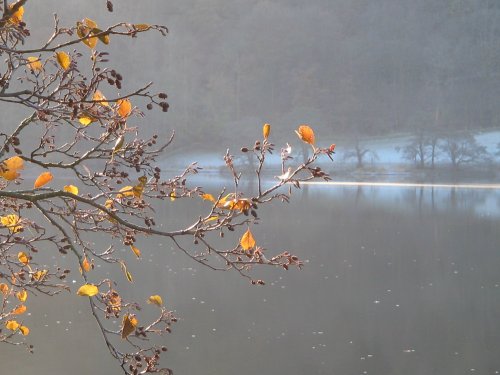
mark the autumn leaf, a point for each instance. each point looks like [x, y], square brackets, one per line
[247, 242]
[23, 258]
[17, 16]
[126, 191]
[9, 169]
[266, 129]
[88, 290]
[124, 107]
[12, 325]
[142, 26]
[136, 251]
[306, 134]
[22, 295]
[43, 179]
[172, 195]
[84, 30]
[103, 37]
[156, 300]
[98, 96]
[24, 330]
[86, 265]
[39, 275]
[34, 63]
[208, 197]
[71, 189]
[128, 275]
[86, 120]
[129, 323]
[4, 288]
[11, 222]
[21, 309]
[63, 60]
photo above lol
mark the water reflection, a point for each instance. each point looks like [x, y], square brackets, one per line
[397, 280]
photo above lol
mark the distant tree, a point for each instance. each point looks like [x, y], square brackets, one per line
[463, 149]
[421, 150]
[73, 131]
[359, 153]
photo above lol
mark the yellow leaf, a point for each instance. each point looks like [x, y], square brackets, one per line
[9, 169]
[124, 107]
[22, 295]
[86, 120]
[128, 275]
[266, 129]
[306, 134]
[172, 196]
[136, 251]
[39, 275]
[247, 242]
[103, 38]
[156, 299]
[99, 97]
[211, 218]
[4, 288]
[86, 265]
[34, 63]
[24, 330]
[126, 191]
[21, 309]
[89, 23]
[129, 323]
[43, 179]
[241, 204]
[115, 301]
[12, 223]
[23, 258]
[83, 30]
[17, 16]
[88, 290]
[142, 26]
[71, 189]
[63, 59]
[12, 325]
[208, 197]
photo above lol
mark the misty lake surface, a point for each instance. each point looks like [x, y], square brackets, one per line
[397, 280]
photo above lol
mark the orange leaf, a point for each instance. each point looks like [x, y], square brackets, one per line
[136, 251]
[63, 60]
[306, 134]
[4, 288]
[99, 97]
[17, 16]
[208, 197]
[12, 325]
[129, 323]
[142, 26]
[124, 107]
[23, 258]
[24, 330]
[9, 169]
[39, 275]
[266, 129]
[43, 179]
[21, 309]
[247, 242]
[86, 265]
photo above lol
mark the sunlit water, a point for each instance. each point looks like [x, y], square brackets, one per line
[398, 280]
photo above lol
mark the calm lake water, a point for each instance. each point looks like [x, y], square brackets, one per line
[397, 281]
